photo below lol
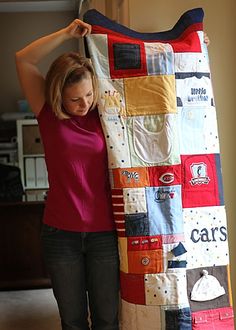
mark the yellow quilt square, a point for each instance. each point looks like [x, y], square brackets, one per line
[150, 95]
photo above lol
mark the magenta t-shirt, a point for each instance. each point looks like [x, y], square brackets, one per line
[79, 196]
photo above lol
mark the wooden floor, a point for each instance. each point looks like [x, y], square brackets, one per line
[28, 310]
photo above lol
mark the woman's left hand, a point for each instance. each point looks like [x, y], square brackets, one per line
[206, 39]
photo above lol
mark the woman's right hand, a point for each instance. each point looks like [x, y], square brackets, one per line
[78, 28]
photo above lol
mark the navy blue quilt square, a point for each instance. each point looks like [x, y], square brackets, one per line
[126, 56]
[136, 224]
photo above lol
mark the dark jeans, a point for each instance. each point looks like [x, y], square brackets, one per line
[83, 267]
[178, 319]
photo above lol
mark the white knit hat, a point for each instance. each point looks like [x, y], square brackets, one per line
[207, 288]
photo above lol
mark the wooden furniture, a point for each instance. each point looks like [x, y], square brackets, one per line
[21, 262]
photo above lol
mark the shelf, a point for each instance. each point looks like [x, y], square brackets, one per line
[39, 6]
[31, 155]
[21, 203]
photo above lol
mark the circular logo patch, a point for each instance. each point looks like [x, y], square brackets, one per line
[145, 261]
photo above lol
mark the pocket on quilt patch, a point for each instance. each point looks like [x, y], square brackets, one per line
[152, 146]
[136, 224]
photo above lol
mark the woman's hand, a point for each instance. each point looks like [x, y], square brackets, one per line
[206, 39]
[78, 28]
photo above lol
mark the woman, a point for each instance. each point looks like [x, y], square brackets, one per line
[79, 239]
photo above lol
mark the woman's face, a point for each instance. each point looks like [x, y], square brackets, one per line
[77, 98]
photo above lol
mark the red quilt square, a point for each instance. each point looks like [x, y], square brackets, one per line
[202, 181]
[164, 175]
[132, 288]
[126, 57]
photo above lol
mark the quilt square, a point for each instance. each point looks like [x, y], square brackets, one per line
[165, 175]
[126, 57]
[174, 256]
[198, 131]
[150, 95]
[137, 224]
[178, 319]
[206, 237]
[129, 285]
[135, 317]
[118, 211]
[135, 201]
[193, 61]
[153, 140]
[99, 44]
[220, 280]
[195, 90]
[202, 180]
[160, 58]
[144, 243]
[164, 210]
[166, 288]
[130, 177]
[217, 319]
[145, 262]
[123, 252]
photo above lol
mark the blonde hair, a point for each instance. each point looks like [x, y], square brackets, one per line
[66, 70]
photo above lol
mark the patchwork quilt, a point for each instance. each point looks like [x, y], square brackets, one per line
[158, 114]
